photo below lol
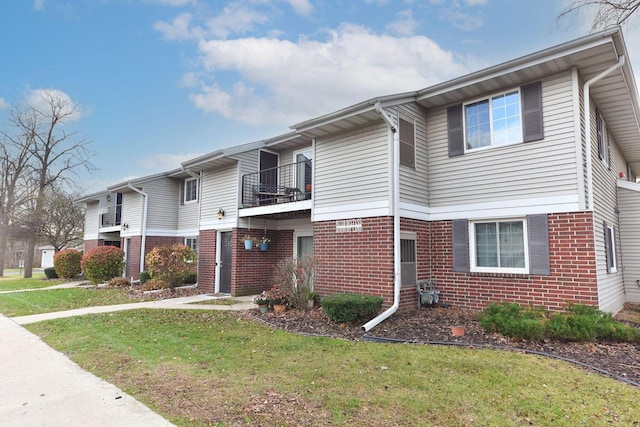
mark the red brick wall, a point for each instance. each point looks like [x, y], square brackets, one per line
[207, 260]
[355, 262]
[90, 244]
[150, 243]
[252, 270]
[573, 276]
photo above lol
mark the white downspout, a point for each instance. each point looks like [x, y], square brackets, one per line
[396, 224]
[587, 124]
[143, 240]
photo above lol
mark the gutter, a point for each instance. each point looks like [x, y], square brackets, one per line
[396, 224]
[587, 124]
[143, 241]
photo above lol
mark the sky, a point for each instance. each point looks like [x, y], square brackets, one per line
[158, 82]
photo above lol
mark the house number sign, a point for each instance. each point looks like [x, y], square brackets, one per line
[349, 226]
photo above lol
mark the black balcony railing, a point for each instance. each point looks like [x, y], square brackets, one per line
[283, 184]
[112, 217]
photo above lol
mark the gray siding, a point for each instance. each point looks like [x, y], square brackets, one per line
[132, 213]
[610, 285]
[352, 168]
[629, 205]
[248, 161]
[545, 168]
[219, 190]
[414, 181]
[164, 197]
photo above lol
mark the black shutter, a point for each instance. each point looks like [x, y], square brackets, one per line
[538, 233]
[460, 236]
[455, 129]
[607, 244]
[599, 135]
[532, 125]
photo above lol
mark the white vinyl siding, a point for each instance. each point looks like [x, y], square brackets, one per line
[544, 168]
[91, 221]
[352, 168]
[248, 162]
[610, 284]
[629, 205]
[219, 190]
[413, 181]
[163, 203]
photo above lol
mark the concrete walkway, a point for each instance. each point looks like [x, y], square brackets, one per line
[40, 386]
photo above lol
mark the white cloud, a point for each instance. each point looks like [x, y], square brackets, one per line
[38, 5]
[4, 105]
[178, 29]
[42, 101]
[404, 25]
[463, 21]
[163, 162]
[284, 82]
[475, 2]
[301, 7]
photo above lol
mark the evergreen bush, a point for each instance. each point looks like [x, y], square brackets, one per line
[351, 308]
[50, 272]
[144, 276]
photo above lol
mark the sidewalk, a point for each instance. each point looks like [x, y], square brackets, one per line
[40, 386]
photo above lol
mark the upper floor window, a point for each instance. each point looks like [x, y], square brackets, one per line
[493, 121]
[407, 143]
[190, 190]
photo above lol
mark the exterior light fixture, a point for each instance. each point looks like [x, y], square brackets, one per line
[220, 213]
[125, 226]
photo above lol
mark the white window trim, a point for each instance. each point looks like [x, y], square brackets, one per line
[297, 234]
[184, 241]
[295, 160]
[185, 201]
[472, 248]
[611, 235]
[483, 98]
[605, 142]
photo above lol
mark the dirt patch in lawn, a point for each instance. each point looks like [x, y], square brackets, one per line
[433, 325]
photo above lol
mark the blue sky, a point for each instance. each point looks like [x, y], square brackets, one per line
[162, 81]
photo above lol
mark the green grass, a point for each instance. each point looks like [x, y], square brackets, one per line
[25, 303]
[12, 283]
[213, 368]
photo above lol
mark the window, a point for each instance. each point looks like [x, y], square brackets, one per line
[493, 121]
[603, 138]
[499, 246]
[408, 260]
[192, 242]
[610, 248]
[407, 143]
[190, 190]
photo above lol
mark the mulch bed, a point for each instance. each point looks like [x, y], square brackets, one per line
[433, 325]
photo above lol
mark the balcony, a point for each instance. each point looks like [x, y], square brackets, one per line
[274, 186]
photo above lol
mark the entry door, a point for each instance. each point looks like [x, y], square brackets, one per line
[127, 257]
[225, 262]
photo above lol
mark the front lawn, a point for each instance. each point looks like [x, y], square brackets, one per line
[46, 301]
[13, 283]
[216, 368]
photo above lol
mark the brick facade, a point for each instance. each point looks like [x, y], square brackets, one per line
[573, 276]
[90, 244]
[360, 262]
[134, 250]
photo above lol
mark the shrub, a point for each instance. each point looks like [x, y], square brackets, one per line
[295, 277]
[351, 308]
[582, 323]
[154, 285]
[190, 279]
[50, 272]
[144, 276]
[67, 263]
[103, 263]
[119, 282]
[172, 264]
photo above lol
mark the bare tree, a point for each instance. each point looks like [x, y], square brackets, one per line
[14, 188]
[62, 219]
[609, 13]
[55, 153]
